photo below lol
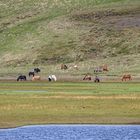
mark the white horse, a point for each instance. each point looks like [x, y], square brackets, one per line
[52, 78]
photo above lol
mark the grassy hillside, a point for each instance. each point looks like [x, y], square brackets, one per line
[43, 32]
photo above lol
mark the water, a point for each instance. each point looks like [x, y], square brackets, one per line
[72, 132]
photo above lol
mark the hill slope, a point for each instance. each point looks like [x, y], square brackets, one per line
[56, 31]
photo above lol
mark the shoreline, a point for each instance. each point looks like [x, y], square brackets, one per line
[72, 124]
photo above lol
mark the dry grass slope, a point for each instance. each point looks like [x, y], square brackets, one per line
[75, 31]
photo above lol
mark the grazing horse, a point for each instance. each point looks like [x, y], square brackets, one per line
[101, 68]
[105, 68]
[76, 67]
[35, 78]
[36, 70]
[31, 74]
[98, 69]
[97, 79]
[126, 77]
[52, 78]
[64, 67]
[87, 77]
[21, 78]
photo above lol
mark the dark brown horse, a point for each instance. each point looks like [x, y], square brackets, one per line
[126, 77]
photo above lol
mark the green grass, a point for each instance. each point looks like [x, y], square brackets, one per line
[24, 103]
[70, 88]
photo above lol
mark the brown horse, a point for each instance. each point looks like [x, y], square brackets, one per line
[101, 69]
[64, 67]
[35, 78]
[105, 68]
[126, 77]
[87, 77]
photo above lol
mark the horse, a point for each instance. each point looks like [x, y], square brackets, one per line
[31, 74]
[36, 70]
[87, 77]
[33, 71]
[21, 78]
[126, 77]
[76, 67]
[64, 67]
[101, 68]
[97, 80]
[98, 69]
[35, 78]
[52, 78]
[105, 68]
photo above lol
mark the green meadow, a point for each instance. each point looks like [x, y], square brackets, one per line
[26, 103]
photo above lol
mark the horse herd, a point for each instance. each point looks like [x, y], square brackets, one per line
[100, 69]
[34, 75]
[97, 79]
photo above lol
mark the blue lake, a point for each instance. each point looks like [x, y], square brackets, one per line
[72, 132]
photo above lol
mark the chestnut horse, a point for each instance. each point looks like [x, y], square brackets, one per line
[64, 67]
[35, 78]
[104, 68]
[126, 77]
[87, 77]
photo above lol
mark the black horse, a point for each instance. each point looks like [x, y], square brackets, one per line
[31, 74]
[97, 79]
[21, 78]
[36, 70]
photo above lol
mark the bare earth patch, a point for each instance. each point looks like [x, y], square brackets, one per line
[121, 22]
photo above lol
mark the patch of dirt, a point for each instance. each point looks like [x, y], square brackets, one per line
[120, 19]
[121, 22]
